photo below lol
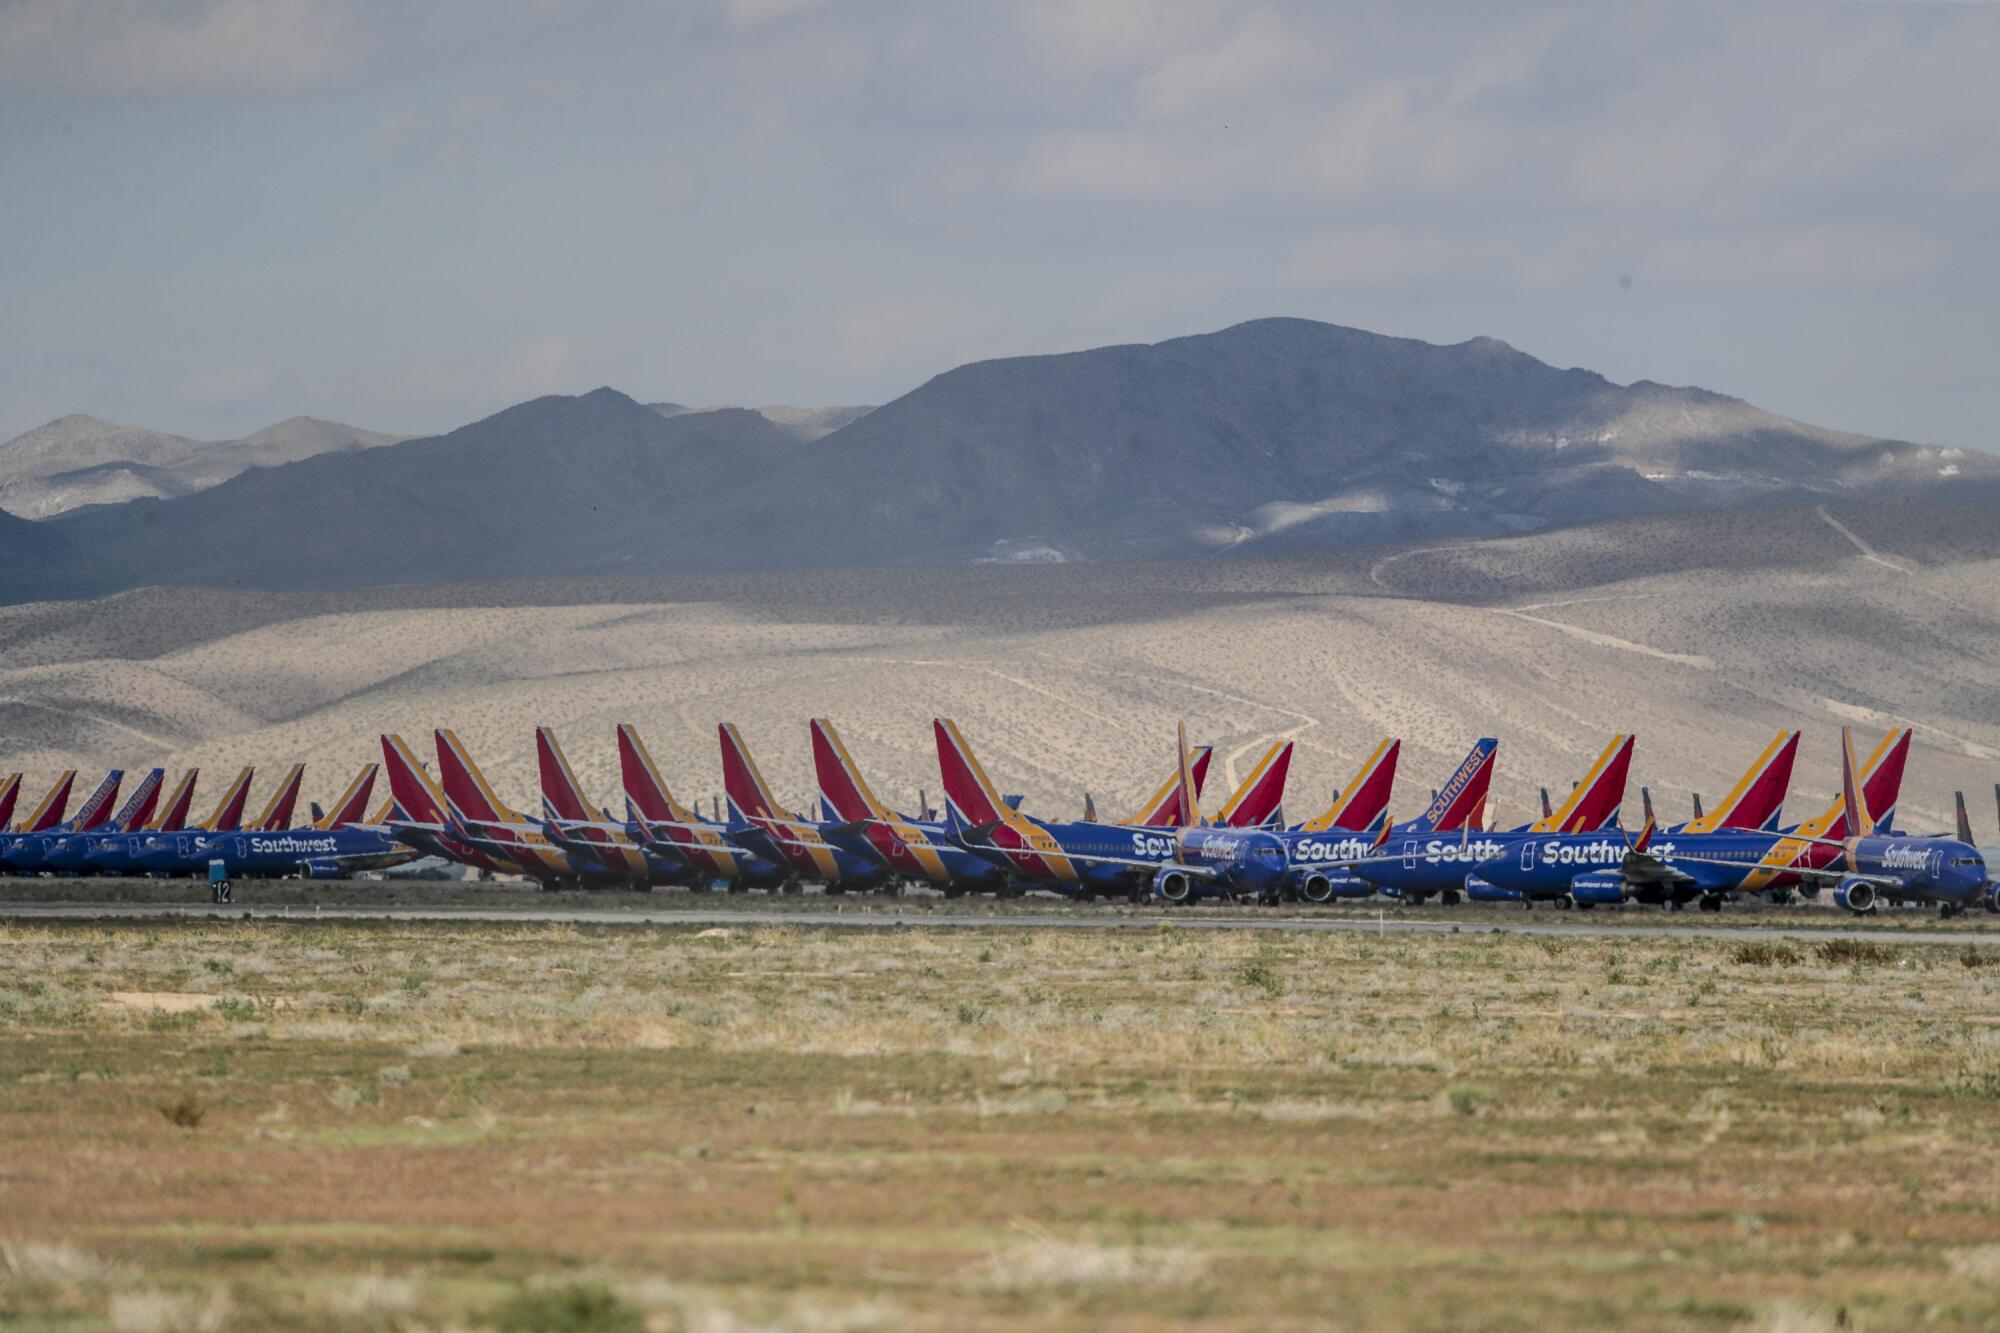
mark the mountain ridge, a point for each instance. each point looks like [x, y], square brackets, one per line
[1278, 436]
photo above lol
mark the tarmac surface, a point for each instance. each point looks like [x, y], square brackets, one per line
[892, 914]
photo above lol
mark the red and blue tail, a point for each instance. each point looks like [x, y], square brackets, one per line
[95, 812]
[741, 781]
[277, 813]
[227, 816]
[139, 806]
[1258, 798]
[1362, 803]
[1594, 803]
[1463, 794]
[1757, 801]
[174, 810]
[1163, 808]
[352, 807]
[10, 793]
[54, 803]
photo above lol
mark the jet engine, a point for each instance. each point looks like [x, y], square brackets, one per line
[1856, 895]
[1175, 885]
[1599, 886]
[1316, 888]
[1485, 891]
[321, 870]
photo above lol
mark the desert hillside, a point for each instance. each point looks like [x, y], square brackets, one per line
[1703, 634]
[1271, 438]
[77, 461]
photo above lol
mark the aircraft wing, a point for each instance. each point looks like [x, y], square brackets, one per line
[1889, 882]
[1199, 872]
[1645, 869]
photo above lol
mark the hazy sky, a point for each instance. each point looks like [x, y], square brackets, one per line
[218, 213]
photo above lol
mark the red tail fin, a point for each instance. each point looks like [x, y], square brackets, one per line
[1260, 794]
[352, 807]
[644, 786]
[1882, 778]
[412, 787]
[1163, 809]
[10, 793]
[54, 804]
[95, 812]
[1860, 824]
[841, 785]
[741, 780]
[561, 792]
[465, 784]
[1464, 793]
[966, 785]
[228, 813]
[277, 815]
[1364, 800]
[145, 798]
[1595, 802]
[174, 814]
[1759, 794]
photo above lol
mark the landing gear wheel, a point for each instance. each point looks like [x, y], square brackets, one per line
[1711, 904]
[1449, 897]
[1565, 902]
[1946, 911]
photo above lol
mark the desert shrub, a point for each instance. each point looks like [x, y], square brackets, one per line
[184, 1111]
[577, 1307]
[1974, 956]
[1260, 974]
[1857, 952]
[1764, 953]
[1466, 1100]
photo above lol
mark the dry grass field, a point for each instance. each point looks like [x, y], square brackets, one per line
[1703, 634]
[256, 1125]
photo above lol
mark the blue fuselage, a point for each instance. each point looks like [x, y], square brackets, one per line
[253, 855]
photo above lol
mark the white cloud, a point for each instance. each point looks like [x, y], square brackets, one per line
[1260, 49]
[127, 46]
[1114, 33]
[1142, 166]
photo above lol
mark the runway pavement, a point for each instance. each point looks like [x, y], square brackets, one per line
[891, 916]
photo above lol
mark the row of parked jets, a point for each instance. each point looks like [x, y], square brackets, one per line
[1577, 854]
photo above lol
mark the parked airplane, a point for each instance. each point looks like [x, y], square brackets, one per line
[1547, 869]
[593, 836]
[667, 828]
[24, 852]
[46, 815]
[1872, 866]
[1080, 858]
[70, 855]
[10, 793]
[120, 856]
[1268, 863]
[337, 844]
[489, 823]
[421, 817]
[175, 851]
[1605, 866]
[1415, 863]
[921, 850]
[756, 818]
